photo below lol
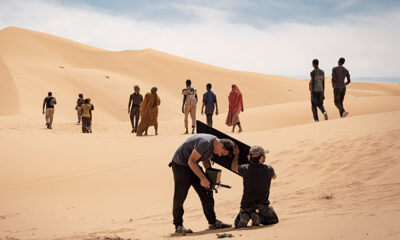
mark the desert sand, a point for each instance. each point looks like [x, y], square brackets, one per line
[337, 179]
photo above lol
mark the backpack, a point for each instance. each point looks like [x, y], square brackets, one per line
[319, 79]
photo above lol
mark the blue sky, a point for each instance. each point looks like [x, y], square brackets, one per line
[273, 37]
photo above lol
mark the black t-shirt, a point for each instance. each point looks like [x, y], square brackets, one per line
[47, 100]
[256, 184]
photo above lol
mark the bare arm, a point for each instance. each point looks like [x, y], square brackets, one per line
[235, 164]
[274, 177]
[192, 162]
[202, 108]
[44, 103]
[216, 106]
[348, 78]
[241, 102]
[129, 104]
[311, 83]
[183, 103]
[207, 164]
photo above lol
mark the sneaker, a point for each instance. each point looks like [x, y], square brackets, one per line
[218, 224]
[182, 229]
[326, 116]
[255, 219]
[243, 220]
[345, 114]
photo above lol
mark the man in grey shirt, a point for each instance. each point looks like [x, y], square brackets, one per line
[339, 73]
[135, 99]
[187, 173]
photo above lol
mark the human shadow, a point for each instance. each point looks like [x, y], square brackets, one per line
[222, 230]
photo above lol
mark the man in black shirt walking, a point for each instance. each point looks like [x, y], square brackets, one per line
[49, 103]
[256, 185]
[135, 100]
[339, 73]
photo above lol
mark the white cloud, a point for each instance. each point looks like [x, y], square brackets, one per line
[369, 43]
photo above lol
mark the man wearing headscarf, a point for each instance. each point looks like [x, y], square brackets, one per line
[149, 112]
[235, 106]
[135, 100]
[257, 178]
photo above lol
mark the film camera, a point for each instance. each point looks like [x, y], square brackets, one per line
[214, 176]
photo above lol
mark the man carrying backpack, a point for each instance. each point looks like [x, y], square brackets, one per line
[317, 88]
[49, 103]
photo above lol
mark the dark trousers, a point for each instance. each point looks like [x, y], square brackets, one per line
[317, 100]
[135, 115]
[85, 124]
[261, 214]
[209, 120]
[339, 93]
[183, 179]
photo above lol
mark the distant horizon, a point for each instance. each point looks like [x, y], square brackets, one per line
[395, 80]
[280, 38]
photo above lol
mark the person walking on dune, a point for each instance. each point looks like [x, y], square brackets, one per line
[78, 108]
[317, 90]
[149, 112]
[91, 115]
[49, 103]
[135, 100]
[189, 105]
[235, 107]
[210, 102]
[86, 108]
[339, 73]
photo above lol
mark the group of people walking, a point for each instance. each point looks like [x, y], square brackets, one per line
[84, 109]
[317, 88]
[144, 111]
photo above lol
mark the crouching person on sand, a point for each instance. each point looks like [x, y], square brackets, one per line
[257, 178]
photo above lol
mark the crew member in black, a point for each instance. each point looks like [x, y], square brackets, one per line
[49, 103]
[135, 100]
[256, 185]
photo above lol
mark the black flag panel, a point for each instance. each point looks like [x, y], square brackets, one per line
[224, 161]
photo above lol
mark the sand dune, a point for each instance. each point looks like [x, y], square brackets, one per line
[337, 179]
[8, 92]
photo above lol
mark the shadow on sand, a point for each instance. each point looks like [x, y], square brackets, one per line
[219, 231]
